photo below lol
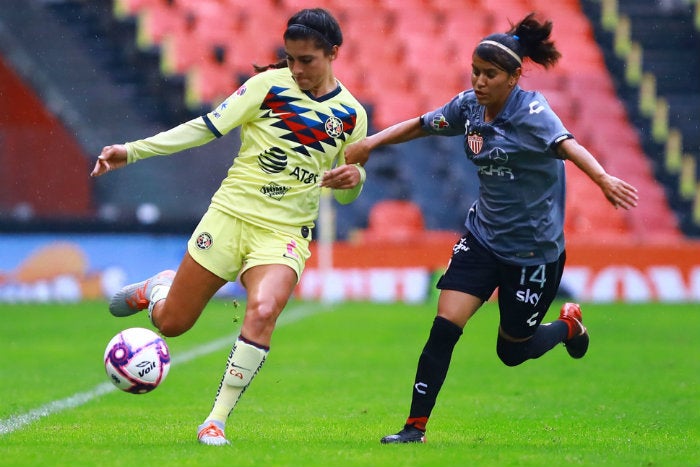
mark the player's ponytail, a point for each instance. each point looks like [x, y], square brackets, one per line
[534, 38]
[529, 38]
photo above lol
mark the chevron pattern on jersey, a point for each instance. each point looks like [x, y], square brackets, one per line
[307, 126]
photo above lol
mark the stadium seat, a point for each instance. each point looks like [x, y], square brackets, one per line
[209, 82]
[400, 221]
[393, 220]
[155, 21]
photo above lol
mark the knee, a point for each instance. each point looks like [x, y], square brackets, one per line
[263, 311]
[511, 353]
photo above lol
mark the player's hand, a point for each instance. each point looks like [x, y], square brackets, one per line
[112, 157]
[620, 193]
[357, 153]
[342, 177]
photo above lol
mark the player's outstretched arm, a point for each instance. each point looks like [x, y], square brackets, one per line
[112, 157]
[618, 192]
[358, 153]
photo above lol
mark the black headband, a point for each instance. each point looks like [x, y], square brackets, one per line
[312, 30]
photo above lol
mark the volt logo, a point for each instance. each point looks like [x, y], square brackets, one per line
[145, 367]
[421, 388]
[528, 296]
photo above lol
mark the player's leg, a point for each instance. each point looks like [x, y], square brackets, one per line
[187, 293]
[525, 294]
[174, 310]
[469, 280]
[268, 290]
[273, 267]
[434, 362]
[210, 261]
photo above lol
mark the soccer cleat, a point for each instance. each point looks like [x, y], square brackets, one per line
[409, 434]
[576, 342]
[136, 297]
[211, 433]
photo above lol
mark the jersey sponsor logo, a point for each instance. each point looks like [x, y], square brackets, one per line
[528, 296]
[439, 122]
[272, 161]
[304, 176]
[274, 190]
[305, 125]
[499, 156]
[204, 241]
[241, 90]
[496, 170]
[475, 142]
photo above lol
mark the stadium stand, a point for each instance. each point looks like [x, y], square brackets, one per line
[652, 47]
[401, 58]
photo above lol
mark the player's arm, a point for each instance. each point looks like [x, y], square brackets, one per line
[617, 191]
[358, 153]
[184, 136]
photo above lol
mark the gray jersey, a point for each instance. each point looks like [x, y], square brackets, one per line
[519, 214]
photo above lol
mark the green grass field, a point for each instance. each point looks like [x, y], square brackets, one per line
[339, 377]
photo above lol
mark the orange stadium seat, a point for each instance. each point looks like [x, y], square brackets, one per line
[155, 21]
[400, 221]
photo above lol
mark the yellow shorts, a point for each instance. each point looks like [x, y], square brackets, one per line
[228, 246]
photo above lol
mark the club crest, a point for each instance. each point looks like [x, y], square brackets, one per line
[204, 241]
[334, 127]
[475, 142]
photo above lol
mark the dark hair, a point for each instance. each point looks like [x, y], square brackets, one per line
[310, 23]
[527, 39]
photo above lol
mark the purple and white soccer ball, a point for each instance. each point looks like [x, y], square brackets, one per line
[137, 360]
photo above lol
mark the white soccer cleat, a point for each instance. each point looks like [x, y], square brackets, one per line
[136, 297]
[211, 433]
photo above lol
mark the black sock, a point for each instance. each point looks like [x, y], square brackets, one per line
[432, 369]
[545, 338]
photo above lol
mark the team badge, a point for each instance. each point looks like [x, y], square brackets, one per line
[204, 241]
[334, 127]
[475, 142]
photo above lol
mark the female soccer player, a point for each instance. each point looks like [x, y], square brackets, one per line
[296, 120]
[515, 229]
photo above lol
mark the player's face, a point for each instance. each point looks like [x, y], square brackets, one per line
[310, 66]
[491, 84]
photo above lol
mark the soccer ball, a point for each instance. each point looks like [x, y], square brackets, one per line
[137, 360]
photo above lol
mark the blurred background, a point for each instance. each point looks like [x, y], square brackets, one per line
[76, 75]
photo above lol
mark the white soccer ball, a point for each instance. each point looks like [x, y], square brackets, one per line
[137, 360]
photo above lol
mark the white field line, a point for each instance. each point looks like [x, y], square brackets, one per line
[16, 422]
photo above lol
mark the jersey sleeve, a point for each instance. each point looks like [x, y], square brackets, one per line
[184, 136]
[241, 106]
[446, 120]
[347, 196]
[539, 127]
